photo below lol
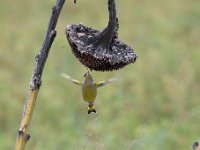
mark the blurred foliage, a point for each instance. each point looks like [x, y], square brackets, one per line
[155, 104]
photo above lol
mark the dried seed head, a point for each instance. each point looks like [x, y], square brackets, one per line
[100, 51]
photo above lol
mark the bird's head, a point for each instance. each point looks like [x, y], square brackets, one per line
[88, 77]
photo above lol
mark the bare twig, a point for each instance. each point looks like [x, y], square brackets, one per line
[36, 81]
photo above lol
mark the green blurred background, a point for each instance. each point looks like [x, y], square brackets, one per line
[155, 105]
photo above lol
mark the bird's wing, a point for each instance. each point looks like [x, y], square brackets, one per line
[102, 83]
[66, 76]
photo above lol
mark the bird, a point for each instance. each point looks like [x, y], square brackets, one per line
[89, 88]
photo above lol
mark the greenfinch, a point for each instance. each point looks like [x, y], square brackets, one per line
[89, 88]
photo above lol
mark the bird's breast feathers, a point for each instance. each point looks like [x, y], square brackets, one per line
[89, 92]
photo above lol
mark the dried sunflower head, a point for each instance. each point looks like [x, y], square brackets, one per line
[100, 51]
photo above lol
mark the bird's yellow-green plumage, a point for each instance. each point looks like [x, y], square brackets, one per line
[89, 92]
[89, 89]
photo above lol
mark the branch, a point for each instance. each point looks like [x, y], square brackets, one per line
[36, 81]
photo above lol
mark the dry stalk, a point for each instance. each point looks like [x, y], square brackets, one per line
[35, 83]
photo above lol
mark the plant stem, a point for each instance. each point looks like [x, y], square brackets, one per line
[105, 37]
[36, 81]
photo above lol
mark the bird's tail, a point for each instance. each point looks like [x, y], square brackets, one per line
[91, 108]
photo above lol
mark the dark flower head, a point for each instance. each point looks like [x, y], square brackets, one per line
[100, 51]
